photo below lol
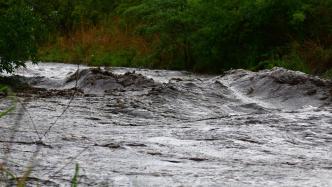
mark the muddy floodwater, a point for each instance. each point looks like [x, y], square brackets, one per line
[135, 127]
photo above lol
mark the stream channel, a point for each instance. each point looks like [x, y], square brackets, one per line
[137, 127]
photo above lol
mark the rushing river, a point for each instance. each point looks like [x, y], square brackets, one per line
[134, 127]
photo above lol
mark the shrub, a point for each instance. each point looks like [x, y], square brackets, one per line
[19, 34]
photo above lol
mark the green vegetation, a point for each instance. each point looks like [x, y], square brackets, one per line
[74, 180]
[13, 180]
[20, 31]
[5, 90]
[196, 35]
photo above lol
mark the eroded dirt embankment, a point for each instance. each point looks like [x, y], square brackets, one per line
[133, 127]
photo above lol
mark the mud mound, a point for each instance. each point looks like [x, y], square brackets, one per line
[280, 87]
[97, 81]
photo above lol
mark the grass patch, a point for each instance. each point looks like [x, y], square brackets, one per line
[328, 74]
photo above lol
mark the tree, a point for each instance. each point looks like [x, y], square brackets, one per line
[171, 23]
[20, 31]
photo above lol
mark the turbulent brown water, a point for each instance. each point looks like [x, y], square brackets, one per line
[134, 127]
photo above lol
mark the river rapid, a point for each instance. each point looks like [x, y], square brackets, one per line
[136, 127]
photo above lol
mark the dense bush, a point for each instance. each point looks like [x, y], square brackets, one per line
[216, 35]
[198, 35]
[19, 34]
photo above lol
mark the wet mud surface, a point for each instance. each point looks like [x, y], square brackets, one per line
[133, 127]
